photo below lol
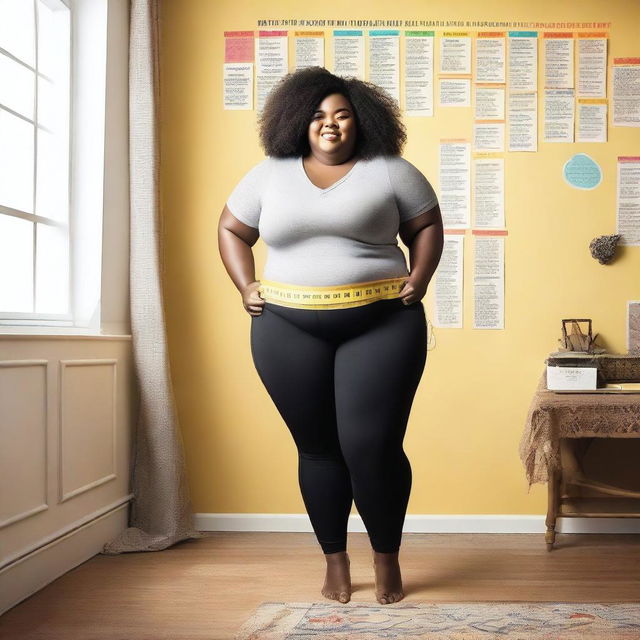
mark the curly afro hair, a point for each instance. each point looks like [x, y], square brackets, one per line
[289, 108]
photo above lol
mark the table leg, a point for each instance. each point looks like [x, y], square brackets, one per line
[553, 486]
[572, 452]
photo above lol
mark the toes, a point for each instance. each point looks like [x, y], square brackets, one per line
[389, 598]
[341, 596]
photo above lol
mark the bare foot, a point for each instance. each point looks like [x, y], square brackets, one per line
[337, 584]
[388, 578]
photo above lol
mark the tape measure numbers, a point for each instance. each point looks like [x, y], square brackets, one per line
[331, 297]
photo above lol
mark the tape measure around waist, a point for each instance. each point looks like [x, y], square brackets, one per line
[330, 297]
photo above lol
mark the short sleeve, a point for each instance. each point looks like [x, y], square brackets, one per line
[245, 201]
[413, 192]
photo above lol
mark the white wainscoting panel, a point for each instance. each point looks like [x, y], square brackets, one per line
[87, 425]
[23, 437]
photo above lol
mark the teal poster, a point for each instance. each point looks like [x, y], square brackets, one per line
[582, 172]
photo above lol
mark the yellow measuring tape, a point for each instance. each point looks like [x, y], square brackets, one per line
[339, 297]
[332, 297]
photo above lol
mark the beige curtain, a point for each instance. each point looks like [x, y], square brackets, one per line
[161, 511]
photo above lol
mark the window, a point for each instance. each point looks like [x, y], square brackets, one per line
[35, 73]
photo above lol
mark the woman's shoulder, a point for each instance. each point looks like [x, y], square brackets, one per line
[398, 163]
[402, 169]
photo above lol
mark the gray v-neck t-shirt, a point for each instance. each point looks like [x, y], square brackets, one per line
[343, 234]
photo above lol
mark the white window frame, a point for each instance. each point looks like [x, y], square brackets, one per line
[35, 317]
[99, 203]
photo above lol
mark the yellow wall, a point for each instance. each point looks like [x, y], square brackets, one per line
[470, 409]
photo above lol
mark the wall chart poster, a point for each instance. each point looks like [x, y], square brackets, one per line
[455, 183]
[488, 279]
[272, 62]
[309, 49]
[523, 61]
[592, 65]
[348, 53]
[455, 53]
[558, 60]
[488, 136]
[455, 92]
[488, 192]
[592, 119]
[237, 76]
[626, 92]
[489, 104]
[418, 73]
[523, 121]
[628, 199]
[449, 282]
[384, 60]
[559, 115]
[490, 57]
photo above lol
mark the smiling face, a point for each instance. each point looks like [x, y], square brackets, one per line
[332, 130]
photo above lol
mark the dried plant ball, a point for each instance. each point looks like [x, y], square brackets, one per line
[603, 248]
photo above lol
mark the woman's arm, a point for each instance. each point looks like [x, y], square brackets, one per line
[235, 240]
[424, 236]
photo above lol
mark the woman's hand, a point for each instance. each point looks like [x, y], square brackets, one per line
[412, 291]
[251, 299]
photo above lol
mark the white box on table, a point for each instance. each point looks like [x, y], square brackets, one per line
[567, 378]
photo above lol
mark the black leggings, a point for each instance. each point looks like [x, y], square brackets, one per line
[344, 380]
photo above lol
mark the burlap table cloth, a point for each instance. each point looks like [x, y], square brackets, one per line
[578, 415]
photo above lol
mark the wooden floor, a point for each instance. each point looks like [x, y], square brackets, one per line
[206, 588]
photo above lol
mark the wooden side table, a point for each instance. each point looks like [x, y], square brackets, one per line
[561, 428]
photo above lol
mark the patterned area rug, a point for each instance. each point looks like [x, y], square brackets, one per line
[440, 621]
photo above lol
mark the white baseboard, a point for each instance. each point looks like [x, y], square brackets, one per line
[418, 523]
[43, 564]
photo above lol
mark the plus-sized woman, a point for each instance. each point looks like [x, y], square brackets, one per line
[338, 329]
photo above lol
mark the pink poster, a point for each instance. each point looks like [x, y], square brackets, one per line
[238, 46]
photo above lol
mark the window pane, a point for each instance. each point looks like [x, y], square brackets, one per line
[52, 270]
[16, 162]
[52, 180]
[54, 51]
[16, 86]
[17, 29]
[53, 38]
[47, 107]
[53, 184]
[16, 259]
